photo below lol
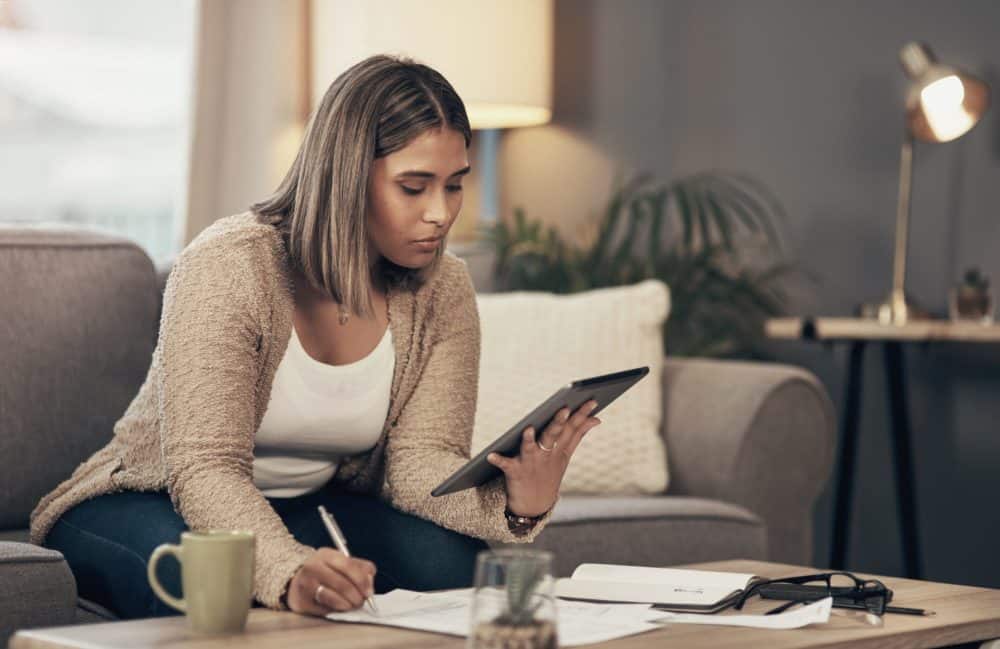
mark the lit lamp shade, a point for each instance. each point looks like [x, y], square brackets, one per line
[497, 54]
[943, 103]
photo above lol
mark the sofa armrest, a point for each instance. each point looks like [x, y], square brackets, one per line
[760, 435]
[36, 588]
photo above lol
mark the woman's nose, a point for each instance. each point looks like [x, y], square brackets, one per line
[437, 211]
[435, 217]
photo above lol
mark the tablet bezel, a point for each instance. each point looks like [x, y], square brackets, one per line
[478, 471]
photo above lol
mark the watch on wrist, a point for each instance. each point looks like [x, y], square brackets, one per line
[521, 525]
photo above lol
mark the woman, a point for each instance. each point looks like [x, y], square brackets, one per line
[322, 348]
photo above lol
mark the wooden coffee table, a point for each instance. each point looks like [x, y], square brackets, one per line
[964, 614]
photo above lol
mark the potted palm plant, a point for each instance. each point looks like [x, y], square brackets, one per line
[712, 237]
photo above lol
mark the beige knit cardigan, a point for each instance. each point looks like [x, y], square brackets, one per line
[227, 319]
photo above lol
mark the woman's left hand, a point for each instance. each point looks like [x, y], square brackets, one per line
[534, 476]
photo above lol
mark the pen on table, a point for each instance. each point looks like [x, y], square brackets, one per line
[903, 610]
[908, 611]
[888, 609]
[340, 542]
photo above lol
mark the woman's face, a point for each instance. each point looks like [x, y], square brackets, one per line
[415, 194]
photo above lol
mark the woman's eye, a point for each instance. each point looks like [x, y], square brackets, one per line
[412, 191]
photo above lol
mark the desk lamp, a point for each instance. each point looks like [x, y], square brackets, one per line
[942, 104]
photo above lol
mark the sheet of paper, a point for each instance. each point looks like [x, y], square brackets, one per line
[614, 583]
[449, 612]
[815, 613]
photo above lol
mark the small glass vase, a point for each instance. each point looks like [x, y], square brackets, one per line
[513, 606]
[970, 306]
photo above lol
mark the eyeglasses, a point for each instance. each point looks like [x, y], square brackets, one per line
[846, 589]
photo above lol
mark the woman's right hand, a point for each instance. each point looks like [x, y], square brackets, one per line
[345, 581]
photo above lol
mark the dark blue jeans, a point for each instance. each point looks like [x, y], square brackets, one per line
[107, 541]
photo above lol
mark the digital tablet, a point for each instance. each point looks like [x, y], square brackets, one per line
[603, 389]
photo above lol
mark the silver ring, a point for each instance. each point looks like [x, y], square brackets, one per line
[319, 589]
[547, 450]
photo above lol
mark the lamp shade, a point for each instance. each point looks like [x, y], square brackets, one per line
[497, 54]
[942, 103]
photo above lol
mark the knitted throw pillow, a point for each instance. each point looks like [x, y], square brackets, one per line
[534, 343]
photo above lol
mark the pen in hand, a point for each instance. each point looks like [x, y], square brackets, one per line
[338, 540]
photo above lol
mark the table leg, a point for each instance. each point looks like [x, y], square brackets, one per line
[848, 455]
[903, 459]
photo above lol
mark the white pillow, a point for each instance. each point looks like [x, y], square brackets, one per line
[534, 343]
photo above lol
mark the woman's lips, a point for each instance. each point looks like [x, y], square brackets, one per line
[428, 246]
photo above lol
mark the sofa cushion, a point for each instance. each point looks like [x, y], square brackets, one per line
[36, 588]
[534, 343]
[80, 312]
[20, 536]
[650, 531]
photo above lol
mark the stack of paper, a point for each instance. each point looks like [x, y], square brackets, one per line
[449, 612]
[578, 623]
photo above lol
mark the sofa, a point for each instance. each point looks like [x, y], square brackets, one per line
[80, 310]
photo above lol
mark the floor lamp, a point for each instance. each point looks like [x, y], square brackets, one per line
[942, 104]
[496, 53]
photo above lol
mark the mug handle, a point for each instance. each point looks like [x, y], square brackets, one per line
[161, 592]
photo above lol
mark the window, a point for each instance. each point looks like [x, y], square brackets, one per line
[94, 113]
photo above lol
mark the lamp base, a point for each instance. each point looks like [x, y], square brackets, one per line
[894, 311]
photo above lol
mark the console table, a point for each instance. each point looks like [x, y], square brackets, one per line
[857, 332]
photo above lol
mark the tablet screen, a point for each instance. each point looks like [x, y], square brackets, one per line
[604, 389]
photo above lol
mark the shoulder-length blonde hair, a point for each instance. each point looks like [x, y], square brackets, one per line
[376, 107]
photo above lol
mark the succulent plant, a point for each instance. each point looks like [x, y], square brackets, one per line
[975, 280]
[523, 578]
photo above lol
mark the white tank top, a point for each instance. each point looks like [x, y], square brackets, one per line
[317, 414]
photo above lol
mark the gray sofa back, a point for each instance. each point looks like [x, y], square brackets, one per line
[78, 317]
[79, 313]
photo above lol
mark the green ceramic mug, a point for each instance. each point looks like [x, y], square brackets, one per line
[216, 578]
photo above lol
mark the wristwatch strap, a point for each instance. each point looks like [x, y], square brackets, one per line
[521, 525]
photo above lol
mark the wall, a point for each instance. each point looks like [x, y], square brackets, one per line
[808, 97]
